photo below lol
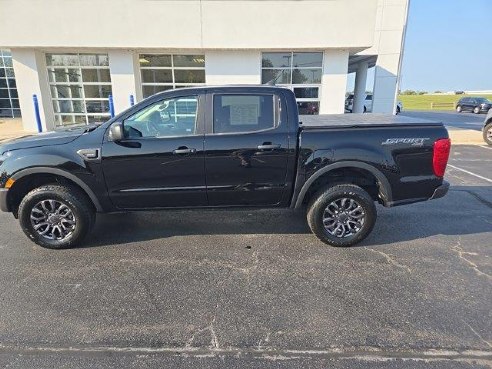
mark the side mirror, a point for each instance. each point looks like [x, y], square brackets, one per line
[116, 132]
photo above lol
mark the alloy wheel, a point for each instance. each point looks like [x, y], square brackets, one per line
[53, 219]
[343, 217]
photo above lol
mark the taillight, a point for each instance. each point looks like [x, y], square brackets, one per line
[442, 147]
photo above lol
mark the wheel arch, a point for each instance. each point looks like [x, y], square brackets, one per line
[40, 172]
[383, 185]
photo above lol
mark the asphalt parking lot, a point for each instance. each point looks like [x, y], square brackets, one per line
[451, 119]
[216, 289]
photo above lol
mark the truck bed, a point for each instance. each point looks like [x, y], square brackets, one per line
[361, 120]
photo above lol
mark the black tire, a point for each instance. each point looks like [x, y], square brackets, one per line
[459, 109]
[476, 110]
[326, 197]
[82, 214]
[487, 133]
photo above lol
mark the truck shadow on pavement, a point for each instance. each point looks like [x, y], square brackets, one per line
[465, 210]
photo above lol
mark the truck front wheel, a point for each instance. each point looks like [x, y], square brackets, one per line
[342, 215]
[55, 216]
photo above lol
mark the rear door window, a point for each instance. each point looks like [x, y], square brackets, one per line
[244, 113]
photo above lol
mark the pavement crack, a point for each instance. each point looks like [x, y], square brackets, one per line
[459, 250]
[389, 259]
[476, 196]
[233, 266]
[478, 334]
[245, 270]
[254, 266]
[149, 293]
[214, 340]
[367, 353]
[262, 342]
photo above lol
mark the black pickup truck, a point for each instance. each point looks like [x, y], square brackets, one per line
[222, 147]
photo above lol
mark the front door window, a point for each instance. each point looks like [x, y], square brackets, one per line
[165, 118]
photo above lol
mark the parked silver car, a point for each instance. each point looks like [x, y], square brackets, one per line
[487, 128]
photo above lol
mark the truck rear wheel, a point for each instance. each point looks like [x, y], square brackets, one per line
[342, 215]
[55, 216]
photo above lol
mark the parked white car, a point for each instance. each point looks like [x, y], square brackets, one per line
[349, 104]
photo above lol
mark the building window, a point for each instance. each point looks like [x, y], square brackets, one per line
[161, 72]
[301, 72]
[9, 101]
[80, 85]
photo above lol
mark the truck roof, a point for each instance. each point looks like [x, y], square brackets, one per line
[225, 87]
[361, 120]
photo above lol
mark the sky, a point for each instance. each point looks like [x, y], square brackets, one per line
[448, 47]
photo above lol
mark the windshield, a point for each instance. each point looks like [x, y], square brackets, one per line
[483, 100]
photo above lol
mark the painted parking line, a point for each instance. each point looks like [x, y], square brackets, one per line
[470, 173]
[471, 160]
[486, 147]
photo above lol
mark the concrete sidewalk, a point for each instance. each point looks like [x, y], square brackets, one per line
[466, 137]
[11, 128]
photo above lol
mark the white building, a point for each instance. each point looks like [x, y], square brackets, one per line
[73, 54]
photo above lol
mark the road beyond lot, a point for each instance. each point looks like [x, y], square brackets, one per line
[243, 289]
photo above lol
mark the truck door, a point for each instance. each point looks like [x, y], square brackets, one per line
[246, 149]
[160, 161]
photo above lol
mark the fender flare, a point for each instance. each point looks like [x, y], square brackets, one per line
[383, 183]
[42, 170]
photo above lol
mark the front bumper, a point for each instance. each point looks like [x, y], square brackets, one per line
[440, 191]
[4, 206]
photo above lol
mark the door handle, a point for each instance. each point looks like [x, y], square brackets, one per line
[268, 146]
[184, 150]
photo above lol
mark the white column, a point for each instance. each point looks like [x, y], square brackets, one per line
[123, 66]
[390, 33]
[334, 81]
[232, 67]
[360, 88]
[31, 77]
[385, 80]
